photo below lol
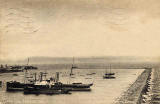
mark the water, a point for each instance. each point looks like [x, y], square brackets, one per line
[104, 91]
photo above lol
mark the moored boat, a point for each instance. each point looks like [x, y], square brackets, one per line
[41, 85]
[109, 75]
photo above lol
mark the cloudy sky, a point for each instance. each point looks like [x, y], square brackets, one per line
[79, 28]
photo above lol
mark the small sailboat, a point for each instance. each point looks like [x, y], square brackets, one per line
[78, 86]
[109, 75]
[29, 66]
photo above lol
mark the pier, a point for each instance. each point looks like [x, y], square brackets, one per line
[154, 92]
[145, 90]
[134, 94]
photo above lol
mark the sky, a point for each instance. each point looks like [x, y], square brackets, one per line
[66, 28]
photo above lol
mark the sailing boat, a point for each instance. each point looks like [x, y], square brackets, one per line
[29, 66]
[109, 75]
[78, 86]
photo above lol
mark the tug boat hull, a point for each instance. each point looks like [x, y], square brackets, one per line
[44, 89]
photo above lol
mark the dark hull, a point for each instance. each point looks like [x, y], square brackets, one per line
[10, 71]
[58, 86]
[44, 89]
[16, 86]
[76, 85]
[80, 89]
[30, 67]
[15, 70]
[48, 92]
[110, 74]
[109, 77]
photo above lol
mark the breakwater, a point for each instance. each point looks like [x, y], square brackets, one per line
[152, 95]
[134, 94]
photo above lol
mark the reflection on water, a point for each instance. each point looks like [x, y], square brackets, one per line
[104, 91]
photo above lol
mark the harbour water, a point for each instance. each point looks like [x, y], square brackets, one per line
[104, 91]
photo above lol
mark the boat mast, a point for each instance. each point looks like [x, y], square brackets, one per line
[110, 68]
[41, 76]
[57, 76]
[28, 61]
[72, 67]
[35, 77]
[106, 68]
[73, 63]
[25, 75]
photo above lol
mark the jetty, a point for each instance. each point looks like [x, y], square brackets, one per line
[134, 94]
[154, 88]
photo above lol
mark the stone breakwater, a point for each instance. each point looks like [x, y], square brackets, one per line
[153, 95]
[134, 94]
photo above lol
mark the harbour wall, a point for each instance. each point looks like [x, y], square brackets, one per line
[134, 94]
[152, 95]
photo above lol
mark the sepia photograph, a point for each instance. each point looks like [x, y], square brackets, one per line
[79, 52]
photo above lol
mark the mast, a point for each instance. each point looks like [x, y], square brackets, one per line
[72, 67]
[41, 76]
[25, 75]
[57, 76]
[110, 68]
[73, 61]
[35, 77]
[71, 71]
[106, 70]
[28, 61]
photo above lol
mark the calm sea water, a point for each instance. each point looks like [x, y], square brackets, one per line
[104, 91]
